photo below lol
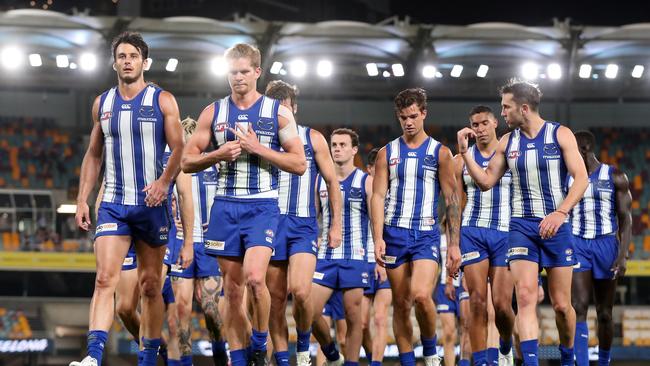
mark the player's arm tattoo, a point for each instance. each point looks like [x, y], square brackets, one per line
[210, 289]
[453, 217]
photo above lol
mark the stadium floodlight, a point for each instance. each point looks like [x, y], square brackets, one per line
[275, 68]
[324, 68]
[372, 69]
[11, 57]
[482, 71]
[398, 69]
[385, 74]
[147, 66]
[219, 66]
[65, 208]
[554, 71]
[298, 68]
[35, 60]
[611, 71]
[438, 74]
[637, 71]
[530, 71]
[429, 71]
[62, 61]
[172, 63]
[456, 71]
[88, 61]
[72, 66]
[585, 71]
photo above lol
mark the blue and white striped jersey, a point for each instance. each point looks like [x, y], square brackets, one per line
[489, 209]
[538, 172]
[204, 188]
[443, 264]
[355, 218]
[134, 142]
[297, 191]
[595, 214]
[249, 175]
[413, 185]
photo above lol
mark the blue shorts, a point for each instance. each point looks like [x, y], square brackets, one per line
[202, 265]
[339, 274]
[295, 235]
[525, 243]
[167, 292]
[131, 260]
[596, 255]
[443, 304]
[334, 306]
[408, 245]
[238, 224]
[478, 244]
[374, 284]
[149, 224]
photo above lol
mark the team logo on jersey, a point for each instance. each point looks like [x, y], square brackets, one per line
[390, 259]
[430, 160]
[220, 127]
[394, 161]
[470, 256]
[355, 192]
[514, 154]
[517, 251]
[530, 145]
[163, 229]
[146, 111]
[323, 194]
[269, 232]
[602, 185]
[215, 245]
[106, 116]
[568, 251]
[126, 106]
[242, 117]
[308, 152]
[551, 151]
[109, 226]
[412, 154]
[265, 124]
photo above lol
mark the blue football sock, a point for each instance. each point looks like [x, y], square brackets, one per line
[369, 356]
[219, 348]
[603, 357]
[331, 352]
[407, 359]
[150, 351]
[258, 340]
[566, 356]
[186, 360]
[238, 357]
[480, 358]
[463, 363]
[492, 356]
[428, 346]
[529, 352]
[375, 363]
[351, 363]
[505, 346]
[96, 342]
[172, 362]
[303, 341]
[581, 344]
[281, 358]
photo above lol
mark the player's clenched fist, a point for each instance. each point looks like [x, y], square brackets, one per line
[229, 151]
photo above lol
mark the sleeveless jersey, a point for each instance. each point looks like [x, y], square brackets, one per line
[538, 172]
[413, 185]
[134, 142]
[249, 174]
[355, 218]
[489, 209]
[595, 214]
[296, 194]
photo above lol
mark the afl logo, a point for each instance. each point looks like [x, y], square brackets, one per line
[323, 194]
[220, 127]
[429, 160]
[514, 154]
[265, 124]
[106, 115]
[550, 149]
[602, 184]
[146, 111]
[394, 161]
[355, 192]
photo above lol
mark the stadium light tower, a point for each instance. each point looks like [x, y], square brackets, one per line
[372, 69]
[172, 63]
[324, 68]
[298, 68]
[35, 60]
[429, 71]
[585, 71]
[482, 71]
[11, 57]
[554, 71]
[611, 71]
[88, 62]
[530, 71]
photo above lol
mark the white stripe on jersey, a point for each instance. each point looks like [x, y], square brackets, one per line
[394, 183]
[553, 167]
[534, 182]
[606, 202]
[109, 144]
[148, 137]
[127, 156]
[517, 193]
[302, 190]
[356, 229]
[408, 192]
[370, 246]
[428, 192]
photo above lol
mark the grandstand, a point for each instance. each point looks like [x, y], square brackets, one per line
[47, 265]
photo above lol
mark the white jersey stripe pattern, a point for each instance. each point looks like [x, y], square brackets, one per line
[595, 214]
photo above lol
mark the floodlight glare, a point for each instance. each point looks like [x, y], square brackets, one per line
[554, 71]
[529, 71]
[482, 71]
[276, 67]
[611, 71]
[372, 69]
[11, 57]
[637, 72]
[35, 60]
[298, 68]
[324, 68]
[456, 71]
[171, 64]
[88, 61]
[62, 61]
[219, 66]
[73, 66]
[385, 74]
[398, 69]
[585, 71]
[429, 71]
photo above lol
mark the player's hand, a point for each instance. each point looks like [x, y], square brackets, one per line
[334, 236]
[450, 290]
[380, 273]
[229, 151]
[380, 252]
[82, 216]
[453, 260]
[540, 294]
[463, 139]
[247, 139]
[156, 192]
[550, 224]
[620, 266]
[186, 256]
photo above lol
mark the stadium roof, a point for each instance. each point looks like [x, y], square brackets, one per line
[348, 45]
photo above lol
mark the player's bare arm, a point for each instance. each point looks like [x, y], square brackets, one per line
[193, 159]
[448, 185]
[326, 169]
[624, 215]
[379, 190]
[488, 178]
[184, 189]
[157, 191]
[90, 167]
[292, 160]
[576, 168]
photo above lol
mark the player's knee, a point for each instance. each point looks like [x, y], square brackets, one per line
[106, 281]
[581, 305]
[478, 305]
[503, 309]
[561, 308]
[255, 280]
[402, 305]
[422, 298]
[150, 286]
[380, 319]
[604, 317]
[124, 310]
[301, 293]
[526, 296]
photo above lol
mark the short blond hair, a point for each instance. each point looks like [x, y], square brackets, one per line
[245, 50]
[189, 125]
